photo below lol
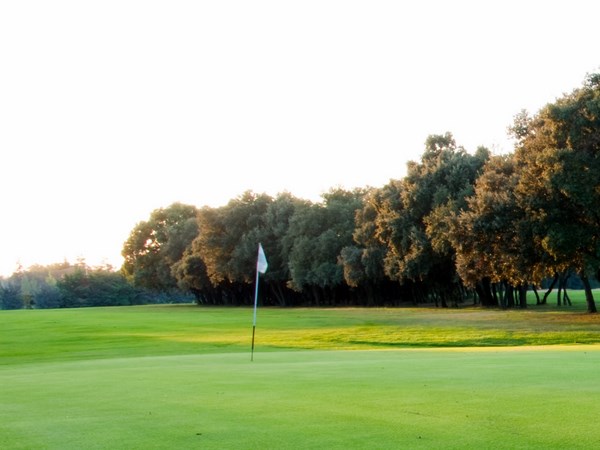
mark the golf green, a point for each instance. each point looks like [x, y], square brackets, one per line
[179, 377]
[469, 398]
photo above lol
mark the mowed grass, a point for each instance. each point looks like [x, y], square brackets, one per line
[181, 377]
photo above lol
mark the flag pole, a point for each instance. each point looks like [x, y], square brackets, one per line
[261, 267]
[254, 319]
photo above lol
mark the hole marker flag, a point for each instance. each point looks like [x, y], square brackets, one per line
[261, 263]
[261, 267]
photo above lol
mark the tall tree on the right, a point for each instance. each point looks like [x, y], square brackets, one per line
[558, 154]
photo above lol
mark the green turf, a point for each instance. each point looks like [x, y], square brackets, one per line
[319, 399]
[181, 377]
[91, 333]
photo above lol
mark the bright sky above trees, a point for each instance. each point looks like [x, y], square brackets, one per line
[109, 110]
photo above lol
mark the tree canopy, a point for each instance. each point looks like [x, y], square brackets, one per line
[457, 225]
[156, 245]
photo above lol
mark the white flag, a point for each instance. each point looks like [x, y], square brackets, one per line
[261, 263]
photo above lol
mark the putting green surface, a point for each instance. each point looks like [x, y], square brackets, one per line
[181, 377]
[530, 398]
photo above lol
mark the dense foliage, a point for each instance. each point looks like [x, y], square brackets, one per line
[158, 243]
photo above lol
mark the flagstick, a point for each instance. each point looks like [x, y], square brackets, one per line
[254, 320]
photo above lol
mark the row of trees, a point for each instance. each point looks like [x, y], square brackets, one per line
[456, 224]
[65, 285]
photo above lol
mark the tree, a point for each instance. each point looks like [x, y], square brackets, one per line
[154, 246]
[559, 153]
[190, 272]
[492, 237]
[278, 216]
[224, 243]
[227, 245]
[219, 266]
[363, 262]
[10, 296]
[316, 237]
[84, 288]
[414, 221]
[48, 296]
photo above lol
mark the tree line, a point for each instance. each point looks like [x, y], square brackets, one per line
[66, 285]
[458, 225]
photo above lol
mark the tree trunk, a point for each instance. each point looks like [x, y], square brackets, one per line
[484, 289]
[559, 295]
[566, 298]
[479, 293]
[417, 294]
[537, 296]
[510, 301]
[315, 292]
[494, 288]
[523, 296]
[475, 295]
[369, 290]
[589, 297]
[562, 287]
[444, 303]
[277, 290]
[554, 280]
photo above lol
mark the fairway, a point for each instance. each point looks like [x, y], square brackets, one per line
[181, 377]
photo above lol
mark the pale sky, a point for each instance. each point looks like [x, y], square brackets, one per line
[111, 109]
